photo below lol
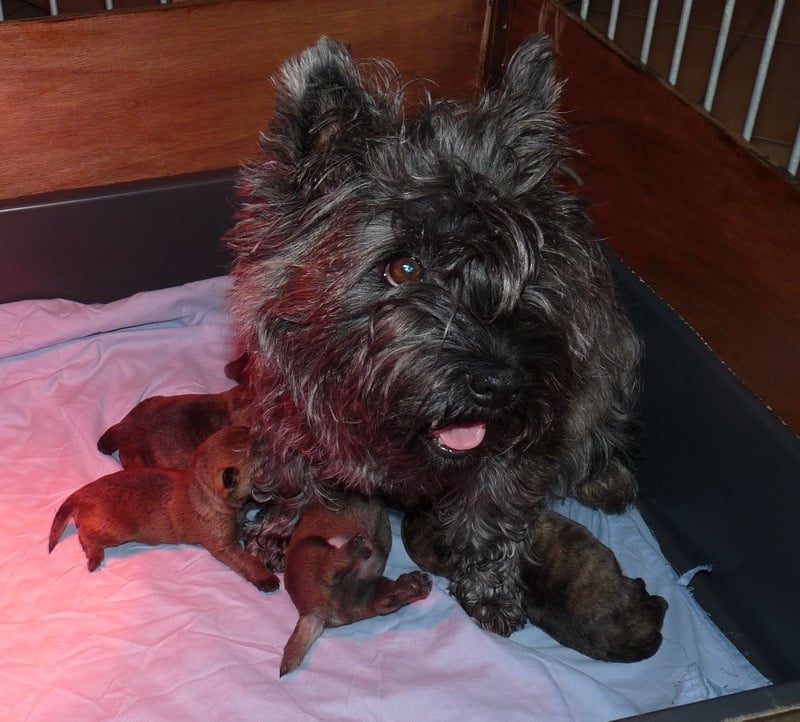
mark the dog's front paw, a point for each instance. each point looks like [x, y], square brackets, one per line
[492, 608]
[495, 617]
[489, 590]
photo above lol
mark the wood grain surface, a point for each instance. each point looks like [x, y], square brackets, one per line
[129, 95]
[712, 227]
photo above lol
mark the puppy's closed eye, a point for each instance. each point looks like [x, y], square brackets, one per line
[230, 476]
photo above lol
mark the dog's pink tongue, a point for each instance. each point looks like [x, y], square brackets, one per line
[461, 437]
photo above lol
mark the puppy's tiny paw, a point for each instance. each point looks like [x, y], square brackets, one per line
[407, 588]
[359, 547]
[267, 583]
[414, 585]
[94, 558]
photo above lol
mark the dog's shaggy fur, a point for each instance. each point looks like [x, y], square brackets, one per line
[429, 318]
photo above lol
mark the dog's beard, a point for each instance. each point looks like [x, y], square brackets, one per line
[415, 396]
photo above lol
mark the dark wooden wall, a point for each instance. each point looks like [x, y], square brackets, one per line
[123, 96]
[710, 226]
[95, 100]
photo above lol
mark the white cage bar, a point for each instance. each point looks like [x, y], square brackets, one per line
[719, 53]
[650, 24]
[612, 19]
[794, 159]
[718, 59]
[616, 7]
[53, 8]
[680, 41]
[763, 68]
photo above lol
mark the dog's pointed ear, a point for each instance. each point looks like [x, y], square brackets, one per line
[528, 127]
[321, 110]
[531, 74]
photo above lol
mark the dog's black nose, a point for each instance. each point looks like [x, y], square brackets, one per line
[495, 387]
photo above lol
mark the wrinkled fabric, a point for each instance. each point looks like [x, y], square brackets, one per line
[168, 633]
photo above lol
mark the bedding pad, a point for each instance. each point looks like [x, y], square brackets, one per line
[169, 633]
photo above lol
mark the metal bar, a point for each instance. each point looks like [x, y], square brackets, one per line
[612, 19]
[109, 4]
[763, 68]
[680, 40]
[1, 11]
[584, 9]
[54, 7]
[719, 52]
[794, 158]
[648, 31]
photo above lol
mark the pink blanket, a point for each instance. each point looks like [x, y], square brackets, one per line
[168, 633]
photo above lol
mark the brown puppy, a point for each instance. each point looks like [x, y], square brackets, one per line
[165, 431]
[334, 572]
[164, 506]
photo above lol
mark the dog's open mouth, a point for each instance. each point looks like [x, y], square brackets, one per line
[459, 438]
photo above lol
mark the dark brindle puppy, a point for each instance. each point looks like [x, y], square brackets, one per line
[163, 506]
[429, 317]
[165, 431]
[334, 571]
[574, 588]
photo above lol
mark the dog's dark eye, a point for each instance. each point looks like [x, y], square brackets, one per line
[402, 270]
[229, 477]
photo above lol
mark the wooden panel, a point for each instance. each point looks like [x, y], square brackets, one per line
[131, 95]
[72, 7]
[495, 47]
[698, 215]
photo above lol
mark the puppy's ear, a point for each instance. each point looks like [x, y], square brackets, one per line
[531, 74]
[324, 116]
[230, 477]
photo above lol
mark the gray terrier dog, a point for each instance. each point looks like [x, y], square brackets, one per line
[430, 319]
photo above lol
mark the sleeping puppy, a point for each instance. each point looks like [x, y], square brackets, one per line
[574, 588]
[334, 572]
[165, 431]
[164, 506]
[576, 592]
